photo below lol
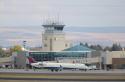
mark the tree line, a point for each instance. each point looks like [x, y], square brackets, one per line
[8, 52]
[114, 47]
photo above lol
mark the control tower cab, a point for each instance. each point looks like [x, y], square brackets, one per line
[53, 37]
[54, 27]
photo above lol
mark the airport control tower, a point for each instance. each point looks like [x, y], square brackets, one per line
[53, 37]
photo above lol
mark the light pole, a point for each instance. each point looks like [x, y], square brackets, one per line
[100, 59]
[86, 58]
[26, 60]
[24, 44]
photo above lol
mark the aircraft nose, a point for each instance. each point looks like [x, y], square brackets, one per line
[32, 64]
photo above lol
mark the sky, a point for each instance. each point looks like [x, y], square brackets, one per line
[93, 21]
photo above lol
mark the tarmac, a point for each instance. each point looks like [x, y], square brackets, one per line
[65, 75]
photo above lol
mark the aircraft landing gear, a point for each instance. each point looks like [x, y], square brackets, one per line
[52, 70]
[55, 69]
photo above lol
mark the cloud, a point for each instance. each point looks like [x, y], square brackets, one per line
[16, 35]
[72, 12]
[33, 35]
[97, 38]
[103, 29]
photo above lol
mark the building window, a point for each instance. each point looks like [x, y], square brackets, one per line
[45, 38]
[66, 45]
[45, 45]
[54, 38]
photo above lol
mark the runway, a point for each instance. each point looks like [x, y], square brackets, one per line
[52, 81]
[45, 75]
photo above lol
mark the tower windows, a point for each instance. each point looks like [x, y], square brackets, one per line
[45, 38]
[45, 45]
[55, 38]
[66, 45]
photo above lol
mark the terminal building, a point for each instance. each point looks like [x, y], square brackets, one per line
[113, 59]
[81, 54]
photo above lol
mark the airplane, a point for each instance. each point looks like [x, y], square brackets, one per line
[60, 66]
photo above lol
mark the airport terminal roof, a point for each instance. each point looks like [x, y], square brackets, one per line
[75, 51]
[79, 48]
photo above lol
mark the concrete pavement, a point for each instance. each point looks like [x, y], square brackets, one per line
[96, 75]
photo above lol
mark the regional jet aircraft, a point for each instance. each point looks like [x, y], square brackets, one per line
[60, 66]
